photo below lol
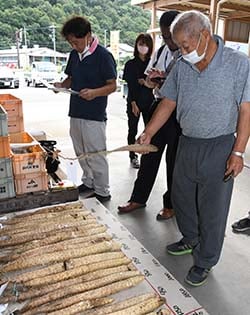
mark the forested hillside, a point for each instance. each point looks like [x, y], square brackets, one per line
[37, 16]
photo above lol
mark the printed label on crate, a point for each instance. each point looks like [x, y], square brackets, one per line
[28, 155]
[31, 182]
[27, 165]
[178, 300]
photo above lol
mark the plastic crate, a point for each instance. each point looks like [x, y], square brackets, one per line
[15, 124]
[26, 159]
[5, 168]
[7, 188]
[5, 151]
[12, 105]
[27, 183]
[22, 137]
[3, 122]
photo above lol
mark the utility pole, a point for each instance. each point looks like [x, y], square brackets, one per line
[105, 38]
[18, 40]
[25, 36]
[54, 41]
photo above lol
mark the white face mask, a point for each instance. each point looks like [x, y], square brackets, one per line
[193, 56]
[143, 50]
[85, 49]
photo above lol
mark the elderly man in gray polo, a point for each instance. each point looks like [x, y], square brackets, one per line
[210, 88]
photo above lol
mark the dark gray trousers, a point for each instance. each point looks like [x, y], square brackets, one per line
[201, 199]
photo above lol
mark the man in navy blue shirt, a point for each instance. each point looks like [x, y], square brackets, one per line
[91, 70]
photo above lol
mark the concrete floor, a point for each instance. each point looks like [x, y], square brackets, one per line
[227, 289]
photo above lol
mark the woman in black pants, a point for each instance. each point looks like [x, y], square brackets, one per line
[140, 97]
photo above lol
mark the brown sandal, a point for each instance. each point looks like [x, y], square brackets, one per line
[165, 214]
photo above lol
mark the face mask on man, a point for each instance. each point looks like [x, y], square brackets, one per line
[193, 56]
[143, 50]
[85, 49]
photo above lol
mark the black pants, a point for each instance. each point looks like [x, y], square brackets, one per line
[133, 126]
[149, 165]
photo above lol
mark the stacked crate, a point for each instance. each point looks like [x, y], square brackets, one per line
[27, 155]
[28, 161]
[14, 109]
[6, 176]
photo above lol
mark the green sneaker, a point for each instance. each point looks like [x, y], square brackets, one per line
[197, 276]
[179, 248]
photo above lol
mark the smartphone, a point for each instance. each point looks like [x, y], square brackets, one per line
[157, 80]
[229, 176]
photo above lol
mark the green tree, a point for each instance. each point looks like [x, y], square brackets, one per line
[36, 16]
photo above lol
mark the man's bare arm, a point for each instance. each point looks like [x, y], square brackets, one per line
[66, 83]
[160, 116]
[235, 163]
[90, 94]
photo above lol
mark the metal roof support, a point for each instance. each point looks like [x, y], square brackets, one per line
[153, 20]
[212, 15]
[249, 45]
[218, 14]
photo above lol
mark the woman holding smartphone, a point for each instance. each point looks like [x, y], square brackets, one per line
[140, 97]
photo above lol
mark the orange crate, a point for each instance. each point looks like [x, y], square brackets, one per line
[5, 151]
[27, 183]
[22, 137]
[29, 158]
[12, 105]
[15, 124]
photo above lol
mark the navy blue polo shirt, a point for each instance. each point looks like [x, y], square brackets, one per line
[92, 72]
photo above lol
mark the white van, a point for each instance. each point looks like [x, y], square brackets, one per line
[42, 72]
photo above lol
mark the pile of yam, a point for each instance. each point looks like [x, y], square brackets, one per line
[60, 260]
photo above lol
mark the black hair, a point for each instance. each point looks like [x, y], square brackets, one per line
[144, 38]
[167, 18]
[77, 26]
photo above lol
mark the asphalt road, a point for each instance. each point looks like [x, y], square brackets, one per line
[47, 112]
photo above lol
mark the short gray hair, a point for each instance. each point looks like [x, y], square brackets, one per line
[191, 23]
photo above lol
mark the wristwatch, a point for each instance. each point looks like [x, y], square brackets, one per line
[239, 154]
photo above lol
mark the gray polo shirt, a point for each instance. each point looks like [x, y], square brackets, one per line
[208, 101]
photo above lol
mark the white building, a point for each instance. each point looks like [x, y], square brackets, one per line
[26, 56]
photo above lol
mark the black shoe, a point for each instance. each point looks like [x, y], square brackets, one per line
[241, 225]
[135, 163]
[101, 198]
[83, 188]
[197, 276]
[179, 248]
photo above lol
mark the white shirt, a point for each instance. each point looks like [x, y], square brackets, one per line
[163, 61]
